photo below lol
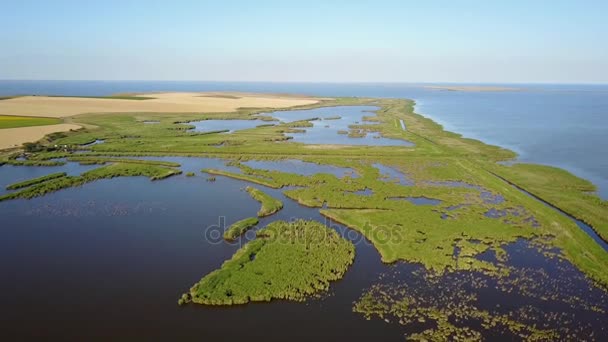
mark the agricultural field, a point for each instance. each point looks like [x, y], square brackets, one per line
[9, 121]
[64, 106]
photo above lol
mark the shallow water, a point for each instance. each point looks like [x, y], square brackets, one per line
[326, 129]
[96, 142]
[226, 125]
[418, 200]
[390, 174]
[301, 167]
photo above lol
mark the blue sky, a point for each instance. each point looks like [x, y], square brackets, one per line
[329, 41]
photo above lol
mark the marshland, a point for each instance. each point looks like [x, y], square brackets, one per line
[388, 230]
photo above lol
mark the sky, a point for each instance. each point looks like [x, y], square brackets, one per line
[306, 41]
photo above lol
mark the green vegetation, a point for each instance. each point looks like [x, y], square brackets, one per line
[270, 205]
[450, 306]
[33, 181]
[32, 162]
[9, 121]
[190, 174]
[563, 190]
[239, 228]
[287, 260]
[110, 171]
[100, 160]
[444, 238]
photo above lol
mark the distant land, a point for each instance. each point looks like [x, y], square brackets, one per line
[472, 88]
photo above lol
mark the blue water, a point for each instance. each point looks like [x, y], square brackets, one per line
[230, 125]
[559, 125]
[326, 130]
[301, 167]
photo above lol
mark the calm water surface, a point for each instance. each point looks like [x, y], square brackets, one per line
[109, 259]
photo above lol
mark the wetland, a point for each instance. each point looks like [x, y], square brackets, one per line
[397, 229]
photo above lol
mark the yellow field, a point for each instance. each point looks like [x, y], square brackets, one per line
[162, 103]
[15, 137]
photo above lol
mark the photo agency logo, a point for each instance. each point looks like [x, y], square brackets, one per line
[380, 234]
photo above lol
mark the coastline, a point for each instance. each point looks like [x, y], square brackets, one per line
[520, 155]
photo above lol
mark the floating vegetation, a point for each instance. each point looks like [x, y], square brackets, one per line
[270, 205]
[357, 133]
[33, 181]
[287, 260]
[190, 174]
[524, 303]
[239, 228]
[301, 124]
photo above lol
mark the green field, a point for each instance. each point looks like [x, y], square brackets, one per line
[9, 121]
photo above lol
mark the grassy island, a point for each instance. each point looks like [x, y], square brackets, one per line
[33, 181]
[287, 260]
[270, 205]
[36, 187]
[239, 228]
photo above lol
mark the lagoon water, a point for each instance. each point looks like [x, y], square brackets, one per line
[225, 125]
[110, 259]
[332, 124]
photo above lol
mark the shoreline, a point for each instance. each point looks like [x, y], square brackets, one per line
[519, 154]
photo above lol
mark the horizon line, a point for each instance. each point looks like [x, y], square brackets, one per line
[314, 82]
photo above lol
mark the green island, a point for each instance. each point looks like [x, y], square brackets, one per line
[33, 181]
[36, 188]
[270, 205]
[265, 268]
[478, 205]
[239, 228]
